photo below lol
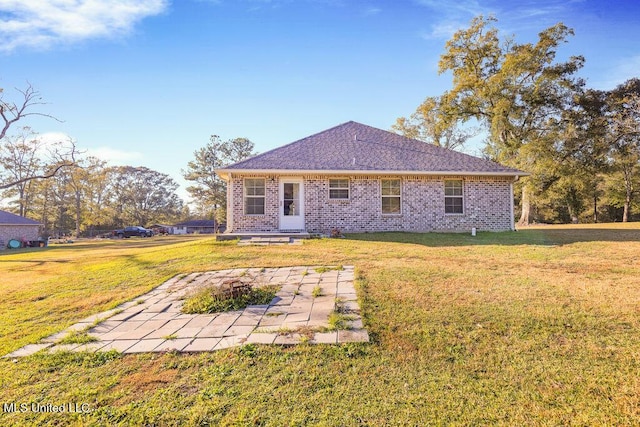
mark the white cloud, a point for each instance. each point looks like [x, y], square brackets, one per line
[372, 11]
[43, 23]
[51, 139]
[443, 30]
[114, 156]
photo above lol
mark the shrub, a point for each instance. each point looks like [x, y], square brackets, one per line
[227, 297]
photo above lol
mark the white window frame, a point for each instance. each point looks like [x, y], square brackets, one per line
[398, 196]
[248, 196]
[347, 188]
[454, 196]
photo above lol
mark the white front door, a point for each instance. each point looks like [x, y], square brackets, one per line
[291, 204]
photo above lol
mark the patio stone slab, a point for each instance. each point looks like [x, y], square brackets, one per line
[202, 344]
[28, 350]
[174, 345]
[289, 339]
[119, 345]
[154, 322]
[92, 346]
[325, 338]
[144, 346]
[258, 338]
[136, 334]
[213, 331]
[238, 330]
[355, 335]
[232, 341]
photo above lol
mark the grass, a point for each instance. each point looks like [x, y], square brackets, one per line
[325, 269]
[78, 337]
[338, 321]
[535, 327]
[317, 291]
[210, 299]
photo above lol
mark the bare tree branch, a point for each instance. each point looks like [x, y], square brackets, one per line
[12, 112]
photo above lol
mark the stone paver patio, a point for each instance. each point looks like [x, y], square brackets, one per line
[154, 322]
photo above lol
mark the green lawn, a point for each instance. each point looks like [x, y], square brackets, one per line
[535, 327]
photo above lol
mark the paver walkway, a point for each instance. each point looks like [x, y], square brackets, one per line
[154, 322]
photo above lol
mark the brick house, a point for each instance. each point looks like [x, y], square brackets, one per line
[357, 178]
[18, 228]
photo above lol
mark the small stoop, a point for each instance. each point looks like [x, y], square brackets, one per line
[264, 235]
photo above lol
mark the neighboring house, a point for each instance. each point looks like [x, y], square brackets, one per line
[18, 228]
[200, 226]
[356, 178]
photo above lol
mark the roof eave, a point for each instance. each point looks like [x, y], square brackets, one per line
[226, 173]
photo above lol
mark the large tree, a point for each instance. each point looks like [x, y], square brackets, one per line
[428, 124]
[96, 179]
[142, 196]
[583, 156]
[624, 131]
[516, 91]
[19, 158]
[93, 198]
[209, 191]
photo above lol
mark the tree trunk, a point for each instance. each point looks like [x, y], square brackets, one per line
[526, 207]
[628, 186]
[595, 208]
[627, 208]
[21, 202]
[78, 212]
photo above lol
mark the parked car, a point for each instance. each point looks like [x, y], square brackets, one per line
[132, 231]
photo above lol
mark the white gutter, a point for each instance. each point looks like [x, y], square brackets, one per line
[512, 215]
[226, 173]
[229, 211]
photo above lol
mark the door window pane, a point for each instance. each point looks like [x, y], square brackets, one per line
[291, 200]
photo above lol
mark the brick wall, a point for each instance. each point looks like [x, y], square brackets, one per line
[18, 232]
[487, 206]
[251, 223]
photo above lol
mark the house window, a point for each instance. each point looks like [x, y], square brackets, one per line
[254, 192]
[390, 196]
[338, 188]
[453, 197]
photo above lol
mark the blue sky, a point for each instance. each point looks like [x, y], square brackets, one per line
[146, 82]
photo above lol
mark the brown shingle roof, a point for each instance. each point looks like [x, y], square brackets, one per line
[354, 147]
[7, 218]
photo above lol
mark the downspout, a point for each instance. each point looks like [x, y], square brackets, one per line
[511, 203]
[230, 204]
